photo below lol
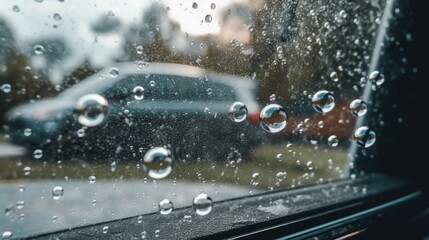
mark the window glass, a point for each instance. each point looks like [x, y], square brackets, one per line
[112, 109]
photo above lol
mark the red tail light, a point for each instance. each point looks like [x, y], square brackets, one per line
[254, 117]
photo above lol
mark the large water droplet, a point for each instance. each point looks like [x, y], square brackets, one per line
[323, 101]
[273, 118]
[165, 207]
[6, 235]
[334, 76]
[114, 73]
[238, 112]
[365, 137]
[194, 5]
[57, 193]
[202, 204]
[92, 179]
[139, 49]
[208, 18]
[376, 77]
[27, 171]
[57, 17]
[91, 110]
[38, 154]
[333, 141]
[358, 107]
[158, 162]
[38, 49]
[138, 93]
[6, 88]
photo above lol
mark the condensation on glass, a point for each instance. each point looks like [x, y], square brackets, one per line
[112, 109]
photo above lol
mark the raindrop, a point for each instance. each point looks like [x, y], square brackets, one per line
[208, 18]
[187, 218]
[139, 49]
[194, 5]
[20, 204]
[81, 132]
[213, 6]
[27, 171]
[320, 124]
[280, 176]
[152, 83]
[38, 154]
[376, 77]
[256, 175]
[105, 229]
[6, 235]
[113, 166]
[21, 188]
[158, 162]
[114, 73]
[333, 141]
[91, 110]
[92, 179]
[156, 233]
[209, 91]
[365, 137]
[323, 101]
[358, 107]
[138, 93]
[27, 132]
[143, 235]
[140, 219]
[38, 49]
[238, 112]
[57, 193]
[57, 17]
[6, 88]
[202, 204]
[272, 97]
[334, 76]
[165, 207]
[141, 64]
[273, 118]
[16, 8]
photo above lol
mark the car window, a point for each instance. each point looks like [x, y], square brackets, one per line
[114, 109]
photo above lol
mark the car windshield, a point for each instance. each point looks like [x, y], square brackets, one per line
[116, 109]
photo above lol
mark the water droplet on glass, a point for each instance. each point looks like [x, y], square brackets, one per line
[138, 93]
[6, 88]
[194, 5]
[114, 73]
[376, 77]
[57, 193]
[202, 204]
[105, 229]
[280, 176]
[38, 154]
[158, 162]
[165, 207]
[91, 110]
[187, 218]
[113, 166]
[16, 8]
[27, 171]
[334, 76]
[365, 137]
[333, 141]
[256, 175]
[21, 188]
[92, 179]
[152, 83]
[358, 107]
[57, 17]
[81, 132]
[273, 118]
[209, 91]
[212, 5]
[27, 132]
[272, 97]
[208, 18]
[156, 233]
[323, 101]
[38, 49]
[20, 204]
[238, 112]
[320, 124]
[139, 49]
[6, 235]
[143, 235]
[140, 219]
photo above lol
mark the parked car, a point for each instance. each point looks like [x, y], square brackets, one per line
[182, 107]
